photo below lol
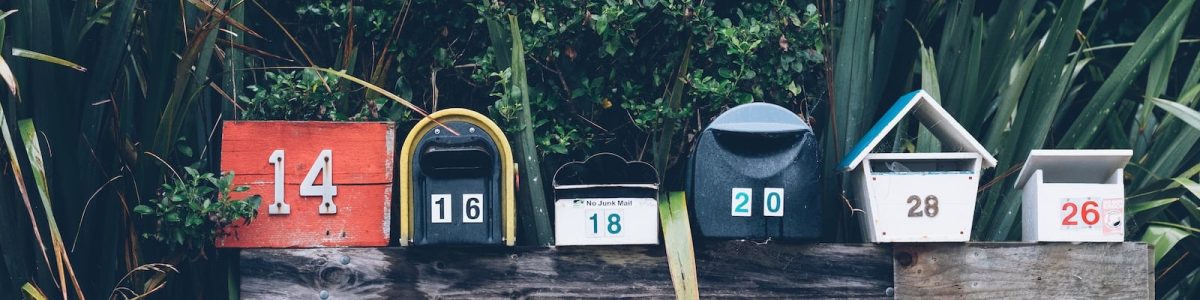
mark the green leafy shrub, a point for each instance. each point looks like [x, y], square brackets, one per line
[293, 95]
[193, 210]
[597, 69]
[309, 95]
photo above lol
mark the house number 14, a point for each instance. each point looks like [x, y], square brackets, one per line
[324, 166]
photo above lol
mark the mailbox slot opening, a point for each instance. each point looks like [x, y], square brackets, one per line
[750, 142]
[922, 166]
[1067, 176]
[458, 156]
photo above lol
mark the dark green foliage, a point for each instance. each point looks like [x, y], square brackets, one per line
[1030, 75]
[192, 211]
[597, 70]
[633, 77]
[295, 95]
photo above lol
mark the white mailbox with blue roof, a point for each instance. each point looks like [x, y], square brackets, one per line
[917, 197]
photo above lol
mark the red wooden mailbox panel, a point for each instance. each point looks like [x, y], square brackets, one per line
[357, 210]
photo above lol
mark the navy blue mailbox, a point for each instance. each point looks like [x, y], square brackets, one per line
[755, 174]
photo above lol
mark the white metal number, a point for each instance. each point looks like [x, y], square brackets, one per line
[473, 208]
[323, 165]
[773, 202]
[279, 207]
[441, 208]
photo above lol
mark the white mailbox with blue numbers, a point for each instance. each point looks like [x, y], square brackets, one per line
[606, 200]
[1073, 195]
[917, 197]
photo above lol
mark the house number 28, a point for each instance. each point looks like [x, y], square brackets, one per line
[324, 166]
[931, 206]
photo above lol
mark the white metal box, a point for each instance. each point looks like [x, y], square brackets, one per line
[932, 200]
[917, 197]
[1073, 196]
[606, 200]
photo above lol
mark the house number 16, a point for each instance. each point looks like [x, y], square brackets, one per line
[324, 166]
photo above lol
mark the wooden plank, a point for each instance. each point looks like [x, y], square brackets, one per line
[1024, 271]
[363, 156]
[727, 269]
[733, 269]
[746, 269]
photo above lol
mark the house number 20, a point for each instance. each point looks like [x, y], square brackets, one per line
[931, 206]
[772, 202]
[324, 166]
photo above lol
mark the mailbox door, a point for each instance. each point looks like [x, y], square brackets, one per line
[1080, 212]
[606, 221]
[456, 187]
[923, 207]
[1074, 195]
[756, 186]
[919, 197]
[606, 215]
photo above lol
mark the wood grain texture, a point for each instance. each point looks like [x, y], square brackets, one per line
[746, 269]
[363, 158]
[726, 269]
[1024, 271]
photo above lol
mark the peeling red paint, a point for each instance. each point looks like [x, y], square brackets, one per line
[362, 171]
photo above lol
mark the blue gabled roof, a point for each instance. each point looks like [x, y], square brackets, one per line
[929, 113]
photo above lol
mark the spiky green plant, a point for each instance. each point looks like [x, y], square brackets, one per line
[1023, 75]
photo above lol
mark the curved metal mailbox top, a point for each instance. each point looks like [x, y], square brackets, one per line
[603, 174]
[759, 117]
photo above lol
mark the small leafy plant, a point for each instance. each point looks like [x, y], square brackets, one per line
[297, 95]
[192, 211]
[309, 95]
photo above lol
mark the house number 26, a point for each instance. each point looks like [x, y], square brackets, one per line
[324, 166]
[931, 206]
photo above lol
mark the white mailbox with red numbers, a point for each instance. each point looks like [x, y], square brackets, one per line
[917, 197]
[1073, 195]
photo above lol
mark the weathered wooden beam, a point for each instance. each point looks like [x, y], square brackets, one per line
[739, 269]
[731, 269]
[1025, 271]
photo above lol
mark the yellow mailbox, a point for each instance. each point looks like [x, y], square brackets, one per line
[457, 182]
